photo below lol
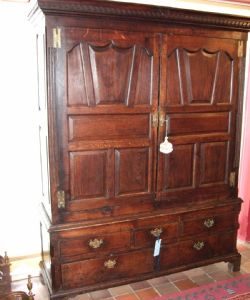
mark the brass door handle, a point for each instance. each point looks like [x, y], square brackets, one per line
[95, 243]
[209, 223]
[198, 245]
[110, 264]
[156, 232]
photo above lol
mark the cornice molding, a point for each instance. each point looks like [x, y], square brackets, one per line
[143, 12]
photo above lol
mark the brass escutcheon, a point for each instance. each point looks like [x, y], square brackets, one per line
[110, 264]
[209, 223]
[156, 232]
[95, 243]
[199, 245]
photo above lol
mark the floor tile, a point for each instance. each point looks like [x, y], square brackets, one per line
[120, 290]
[222, 266]
[147, 294]
[127, 297]
[246, 267]
[166, 288]
[220, 275]
[176, 277]
[202, 279]
[81, 297]
[244, 259]
[235, 274]
[242, 248]
[246, 254]
[185, 284]
[102, 294]
[194, 272]
[210, 268]
[140, 285]
[158, 281]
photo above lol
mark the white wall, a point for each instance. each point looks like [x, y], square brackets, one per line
[19, 159]
[19, 154]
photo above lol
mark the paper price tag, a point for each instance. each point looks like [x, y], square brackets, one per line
[157, 247]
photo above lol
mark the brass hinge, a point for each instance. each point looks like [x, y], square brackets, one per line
[155, 119]
[240, 48]
[56, 37]
[232, 179]
[158, 119]
[60, 199]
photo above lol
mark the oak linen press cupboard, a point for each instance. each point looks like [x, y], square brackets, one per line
[110, 74]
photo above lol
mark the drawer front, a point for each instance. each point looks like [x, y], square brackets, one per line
[92, 244]
[146, 236]
[211, 221]
[92, 271]
[197, 249]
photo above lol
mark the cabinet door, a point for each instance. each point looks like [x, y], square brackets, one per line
[106, 92]
[198, 96]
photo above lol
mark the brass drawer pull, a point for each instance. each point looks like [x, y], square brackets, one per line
[95, 243]
[156, 232]
[199, 245]
[209, 223]
[110, 264]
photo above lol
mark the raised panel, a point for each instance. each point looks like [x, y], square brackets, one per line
[198, 123]
[111, 68]
[144, 81]
[179, 167]
[200, 69]
[88, 174]
[174, 80]
[131, 171]
[76, 84]
[213, 166]
[224, 83]
[103, 127]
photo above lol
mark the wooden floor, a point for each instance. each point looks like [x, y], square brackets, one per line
[151, 288]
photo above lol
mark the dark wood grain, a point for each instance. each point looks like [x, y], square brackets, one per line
[119, 68]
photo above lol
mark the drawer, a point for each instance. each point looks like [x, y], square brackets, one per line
[146, 236]
[148, 229]
[197, 249]
[209, 221]
[92, 244]
[97, 270]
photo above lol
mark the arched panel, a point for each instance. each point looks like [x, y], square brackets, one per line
[75, 77]
[174, 80]
[111, 69]
[200, 67]
[144, 84]
[224, 83]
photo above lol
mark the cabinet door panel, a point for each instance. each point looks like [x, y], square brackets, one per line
[132, 171]
[105, 68]
[108, 91]
[89, 174]
[198, 95]
[179, 167]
